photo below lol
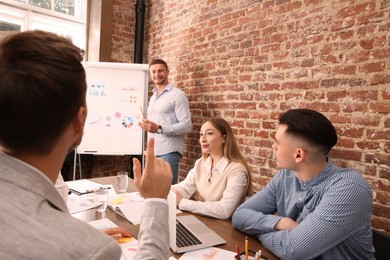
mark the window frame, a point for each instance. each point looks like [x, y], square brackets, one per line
[32, 17]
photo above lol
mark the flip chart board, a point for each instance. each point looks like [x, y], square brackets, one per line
[116, 93]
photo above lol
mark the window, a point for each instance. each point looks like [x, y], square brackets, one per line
[63, 17]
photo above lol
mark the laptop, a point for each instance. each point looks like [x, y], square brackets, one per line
[188, 233]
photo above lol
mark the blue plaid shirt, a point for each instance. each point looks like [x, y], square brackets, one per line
[333, 210]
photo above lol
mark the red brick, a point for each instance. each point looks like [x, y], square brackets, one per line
[381, 107]
[300, 85]
[320, 73]
[285, 65]
[323, 49]
[366, 120]
[372, 67]
[367, 145]
[352, 82]
[346, 154]
[351, 131]
[378, 209]
[386, 147]
[288, 7]
[387, 123]
[378, 159]
[245, 132]
[344, 70]
[383, 53]
[381, 224]
[307, 63]
[341, 25]
[345, 143]
[324, 107]
[246, 97]
[351, 107]
[374, 134]
[364, 95]
[380, 79]
[339, 119]
[274, 97]
[386, 94]
[275, 47]
[367, 44]
[354, 10]
[293, 96]
[331, 59]
[359, 56]
[279, 37]
[261, 134]
[334, 95]
[384, 173]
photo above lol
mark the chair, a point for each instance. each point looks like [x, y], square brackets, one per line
[381, 242]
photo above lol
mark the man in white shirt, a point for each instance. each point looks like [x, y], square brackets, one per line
[168, 118]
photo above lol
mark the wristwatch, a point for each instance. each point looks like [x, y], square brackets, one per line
[159, 130]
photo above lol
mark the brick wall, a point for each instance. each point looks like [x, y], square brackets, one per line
[249, 60]
[123, 30]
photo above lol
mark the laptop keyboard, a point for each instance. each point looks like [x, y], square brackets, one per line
[184, 237]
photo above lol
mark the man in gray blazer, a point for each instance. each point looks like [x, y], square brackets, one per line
[42, 113]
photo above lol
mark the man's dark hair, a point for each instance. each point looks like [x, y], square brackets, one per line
[158, 61]
[42, 88]
[310, 125]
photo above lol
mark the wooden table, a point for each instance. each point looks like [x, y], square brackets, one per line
[222, 227]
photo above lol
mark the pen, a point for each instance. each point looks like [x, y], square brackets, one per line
[142, 112]
[90, 191]
[246, 248]
[259, 255]
[238, 251]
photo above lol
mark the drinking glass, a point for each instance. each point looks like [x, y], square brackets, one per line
[100, 198]
[122, 181]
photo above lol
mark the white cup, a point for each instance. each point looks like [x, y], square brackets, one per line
[122, 181]
[100, 198]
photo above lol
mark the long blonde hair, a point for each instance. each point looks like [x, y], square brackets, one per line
[230, 148]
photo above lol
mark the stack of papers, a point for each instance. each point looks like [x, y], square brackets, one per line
[83, 186]
[81, 197]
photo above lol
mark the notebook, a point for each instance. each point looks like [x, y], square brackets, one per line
[188, 233]
[128, 205]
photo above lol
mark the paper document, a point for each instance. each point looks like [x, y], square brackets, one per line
[208, 253]
[129, 245]
[128, 205]
[212, 253]
[102, 223]
[78, 203]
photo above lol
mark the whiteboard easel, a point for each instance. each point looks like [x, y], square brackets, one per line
[116, 96]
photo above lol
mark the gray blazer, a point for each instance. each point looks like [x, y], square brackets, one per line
[153, 238]
[35, 222]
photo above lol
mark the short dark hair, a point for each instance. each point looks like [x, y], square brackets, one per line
[158, 61]
[42, 88]
[310, 125]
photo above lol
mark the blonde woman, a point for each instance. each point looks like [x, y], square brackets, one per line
[220, 178]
